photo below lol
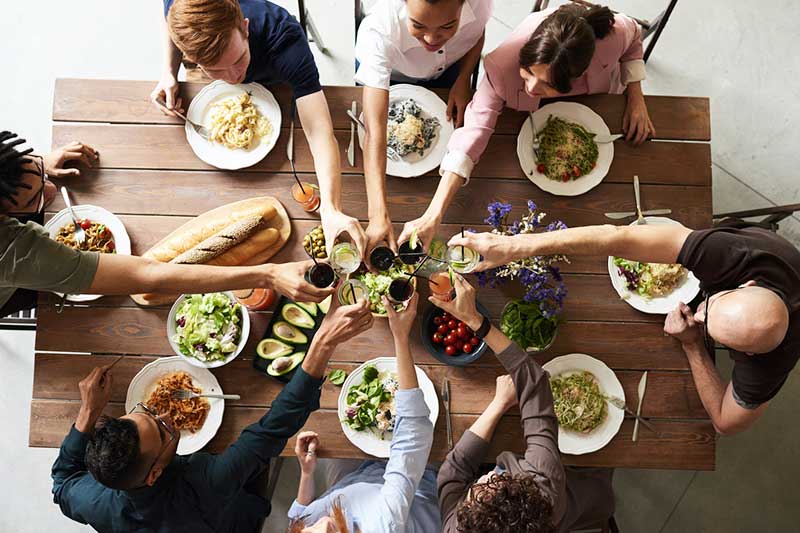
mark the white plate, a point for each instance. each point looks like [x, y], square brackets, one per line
[216, 154]
[576, 443]
[144, 383]
[685, 292]
[122, 241]
[367, 441]
[171, 330]
[572, 112]
[414, 165]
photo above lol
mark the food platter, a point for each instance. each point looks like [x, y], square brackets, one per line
[367, 441]
[576, 443]
[413, 165]
[143, 384]
[96, 214]
[685, 292]
[216, 154]
[571, 112]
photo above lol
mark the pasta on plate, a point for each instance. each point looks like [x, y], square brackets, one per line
[185, 414]
[98, 237]
[237, 123]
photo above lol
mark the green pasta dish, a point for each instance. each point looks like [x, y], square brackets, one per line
[567, 150]
[579, 403]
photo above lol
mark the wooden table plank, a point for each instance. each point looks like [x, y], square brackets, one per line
[115, 101]
[682, 444]
[56, 377]
[165, 147]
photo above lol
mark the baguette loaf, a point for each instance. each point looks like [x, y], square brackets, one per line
[220, 243]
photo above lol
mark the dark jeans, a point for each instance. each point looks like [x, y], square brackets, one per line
[22, 299]
[444, 81]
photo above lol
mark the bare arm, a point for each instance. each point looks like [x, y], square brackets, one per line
[428, 223]
[167, 87]
[401, 323]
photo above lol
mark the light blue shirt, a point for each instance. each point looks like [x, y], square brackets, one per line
[396, 496]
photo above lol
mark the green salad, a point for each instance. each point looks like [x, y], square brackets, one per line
[524, 323]
[208, 326]
[378, 285]
[370, 404]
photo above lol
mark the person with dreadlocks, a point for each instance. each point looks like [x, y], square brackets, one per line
[30, 261]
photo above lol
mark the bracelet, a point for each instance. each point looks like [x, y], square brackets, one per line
[482, 331]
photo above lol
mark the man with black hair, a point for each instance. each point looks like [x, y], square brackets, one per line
[122, 474]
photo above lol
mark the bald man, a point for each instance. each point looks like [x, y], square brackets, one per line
[750, 282]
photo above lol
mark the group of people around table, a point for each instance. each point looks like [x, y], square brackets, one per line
[123, 474]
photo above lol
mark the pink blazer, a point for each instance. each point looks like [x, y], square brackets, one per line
[502, 85]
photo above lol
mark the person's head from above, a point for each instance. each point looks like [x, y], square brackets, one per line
[213, 34]
[334, 522]
[21, 177]
[749, 319]
[561, 48]
[131, 451]
[433, 22]
[505, 503]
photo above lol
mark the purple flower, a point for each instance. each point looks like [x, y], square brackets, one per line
[556, 225]
[497, 214]
[515, 228]
[531, 206]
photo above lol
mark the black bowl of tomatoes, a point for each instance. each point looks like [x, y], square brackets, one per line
[448, 339]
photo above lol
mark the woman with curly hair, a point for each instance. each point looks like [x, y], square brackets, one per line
[522, 494]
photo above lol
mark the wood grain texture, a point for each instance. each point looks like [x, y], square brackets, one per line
[682, 444]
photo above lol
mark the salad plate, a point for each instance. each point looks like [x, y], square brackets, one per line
[378, 285]
[414, 164]
[685, 291]
[145, 381]
[208, 330]
[574, 442]
[372, 441]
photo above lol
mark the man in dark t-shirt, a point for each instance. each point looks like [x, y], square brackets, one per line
[750, 278]
[242, 41]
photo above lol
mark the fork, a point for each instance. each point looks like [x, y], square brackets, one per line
[391, 153]
[201, 130]
[535, 139]
[184, 394]
[620, 404]
[640, 219]
[79, 234]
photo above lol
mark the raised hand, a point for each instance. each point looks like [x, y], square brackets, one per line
[288, 279]
[463, 305]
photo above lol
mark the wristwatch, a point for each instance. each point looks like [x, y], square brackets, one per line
[482, 331]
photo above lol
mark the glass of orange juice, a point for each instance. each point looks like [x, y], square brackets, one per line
[441, 286]
[306, 196]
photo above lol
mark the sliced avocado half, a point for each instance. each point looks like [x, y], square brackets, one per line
[297, 316]
[288, 333]
[273, 348]
[311, 307]
[325, 304]
[284, 365]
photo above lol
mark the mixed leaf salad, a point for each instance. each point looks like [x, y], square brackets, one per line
[370, 404]
[208, 326]
[650, 280]
[378, 286]
[524, 323]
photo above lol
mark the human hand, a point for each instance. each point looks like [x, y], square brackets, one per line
[426, 227]
[463, 305]
[95, 391]
[636, 123]
[288, 279]
[305, 448]
[380, 231]
[680, 324]
[167, 90]
[343, 322]
[457, 100]
[75, 151]
[334, 222]
[401, 322]
[505, 394]
[495, 250]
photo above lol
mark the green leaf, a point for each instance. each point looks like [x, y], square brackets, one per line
[337, 377]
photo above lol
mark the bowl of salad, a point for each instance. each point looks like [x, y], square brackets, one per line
[208, 330]
[378, 285]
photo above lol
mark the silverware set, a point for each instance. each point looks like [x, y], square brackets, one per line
[639, 214]
[391, 153]
[201, 130]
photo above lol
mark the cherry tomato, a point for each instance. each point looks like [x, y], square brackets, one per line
[450, 339]
[452, 324]
[566, 176]
[576, 171]
[540, 168]
[437, 338]
[462, 332]
[85, 223]
[442, 329]
[474, 341]
[461, 324]
[111, 246]
[445, 317]
[467, 347]
[437, 320]
[450, 350]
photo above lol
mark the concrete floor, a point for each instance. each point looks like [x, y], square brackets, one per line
[710, 48]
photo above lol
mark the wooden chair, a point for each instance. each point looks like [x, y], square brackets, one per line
[649, 27]
[772, 215]
[21, 320]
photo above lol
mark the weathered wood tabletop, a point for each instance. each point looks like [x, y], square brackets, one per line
[149, 176]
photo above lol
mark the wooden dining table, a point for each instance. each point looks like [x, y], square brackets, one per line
[148, 175]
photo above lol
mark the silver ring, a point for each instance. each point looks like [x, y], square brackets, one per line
[309, 452]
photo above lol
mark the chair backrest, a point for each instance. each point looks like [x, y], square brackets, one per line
[19, 320]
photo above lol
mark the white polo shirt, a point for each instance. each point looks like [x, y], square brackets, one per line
[387, 51]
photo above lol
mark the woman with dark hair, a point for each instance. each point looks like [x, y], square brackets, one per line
[530, 493]
[569, 51]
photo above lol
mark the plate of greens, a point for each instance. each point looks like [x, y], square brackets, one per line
[378, 285]
[366, 404]
[580, 385]
[570, 162]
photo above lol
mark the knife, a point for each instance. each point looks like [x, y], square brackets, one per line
[620, 404]
[602, 138]
[640, 219]
[628, 214]
[446, 402]
[290, 144]
[641, 390]
[351, 148]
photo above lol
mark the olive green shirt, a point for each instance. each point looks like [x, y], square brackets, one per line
[30, 259]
